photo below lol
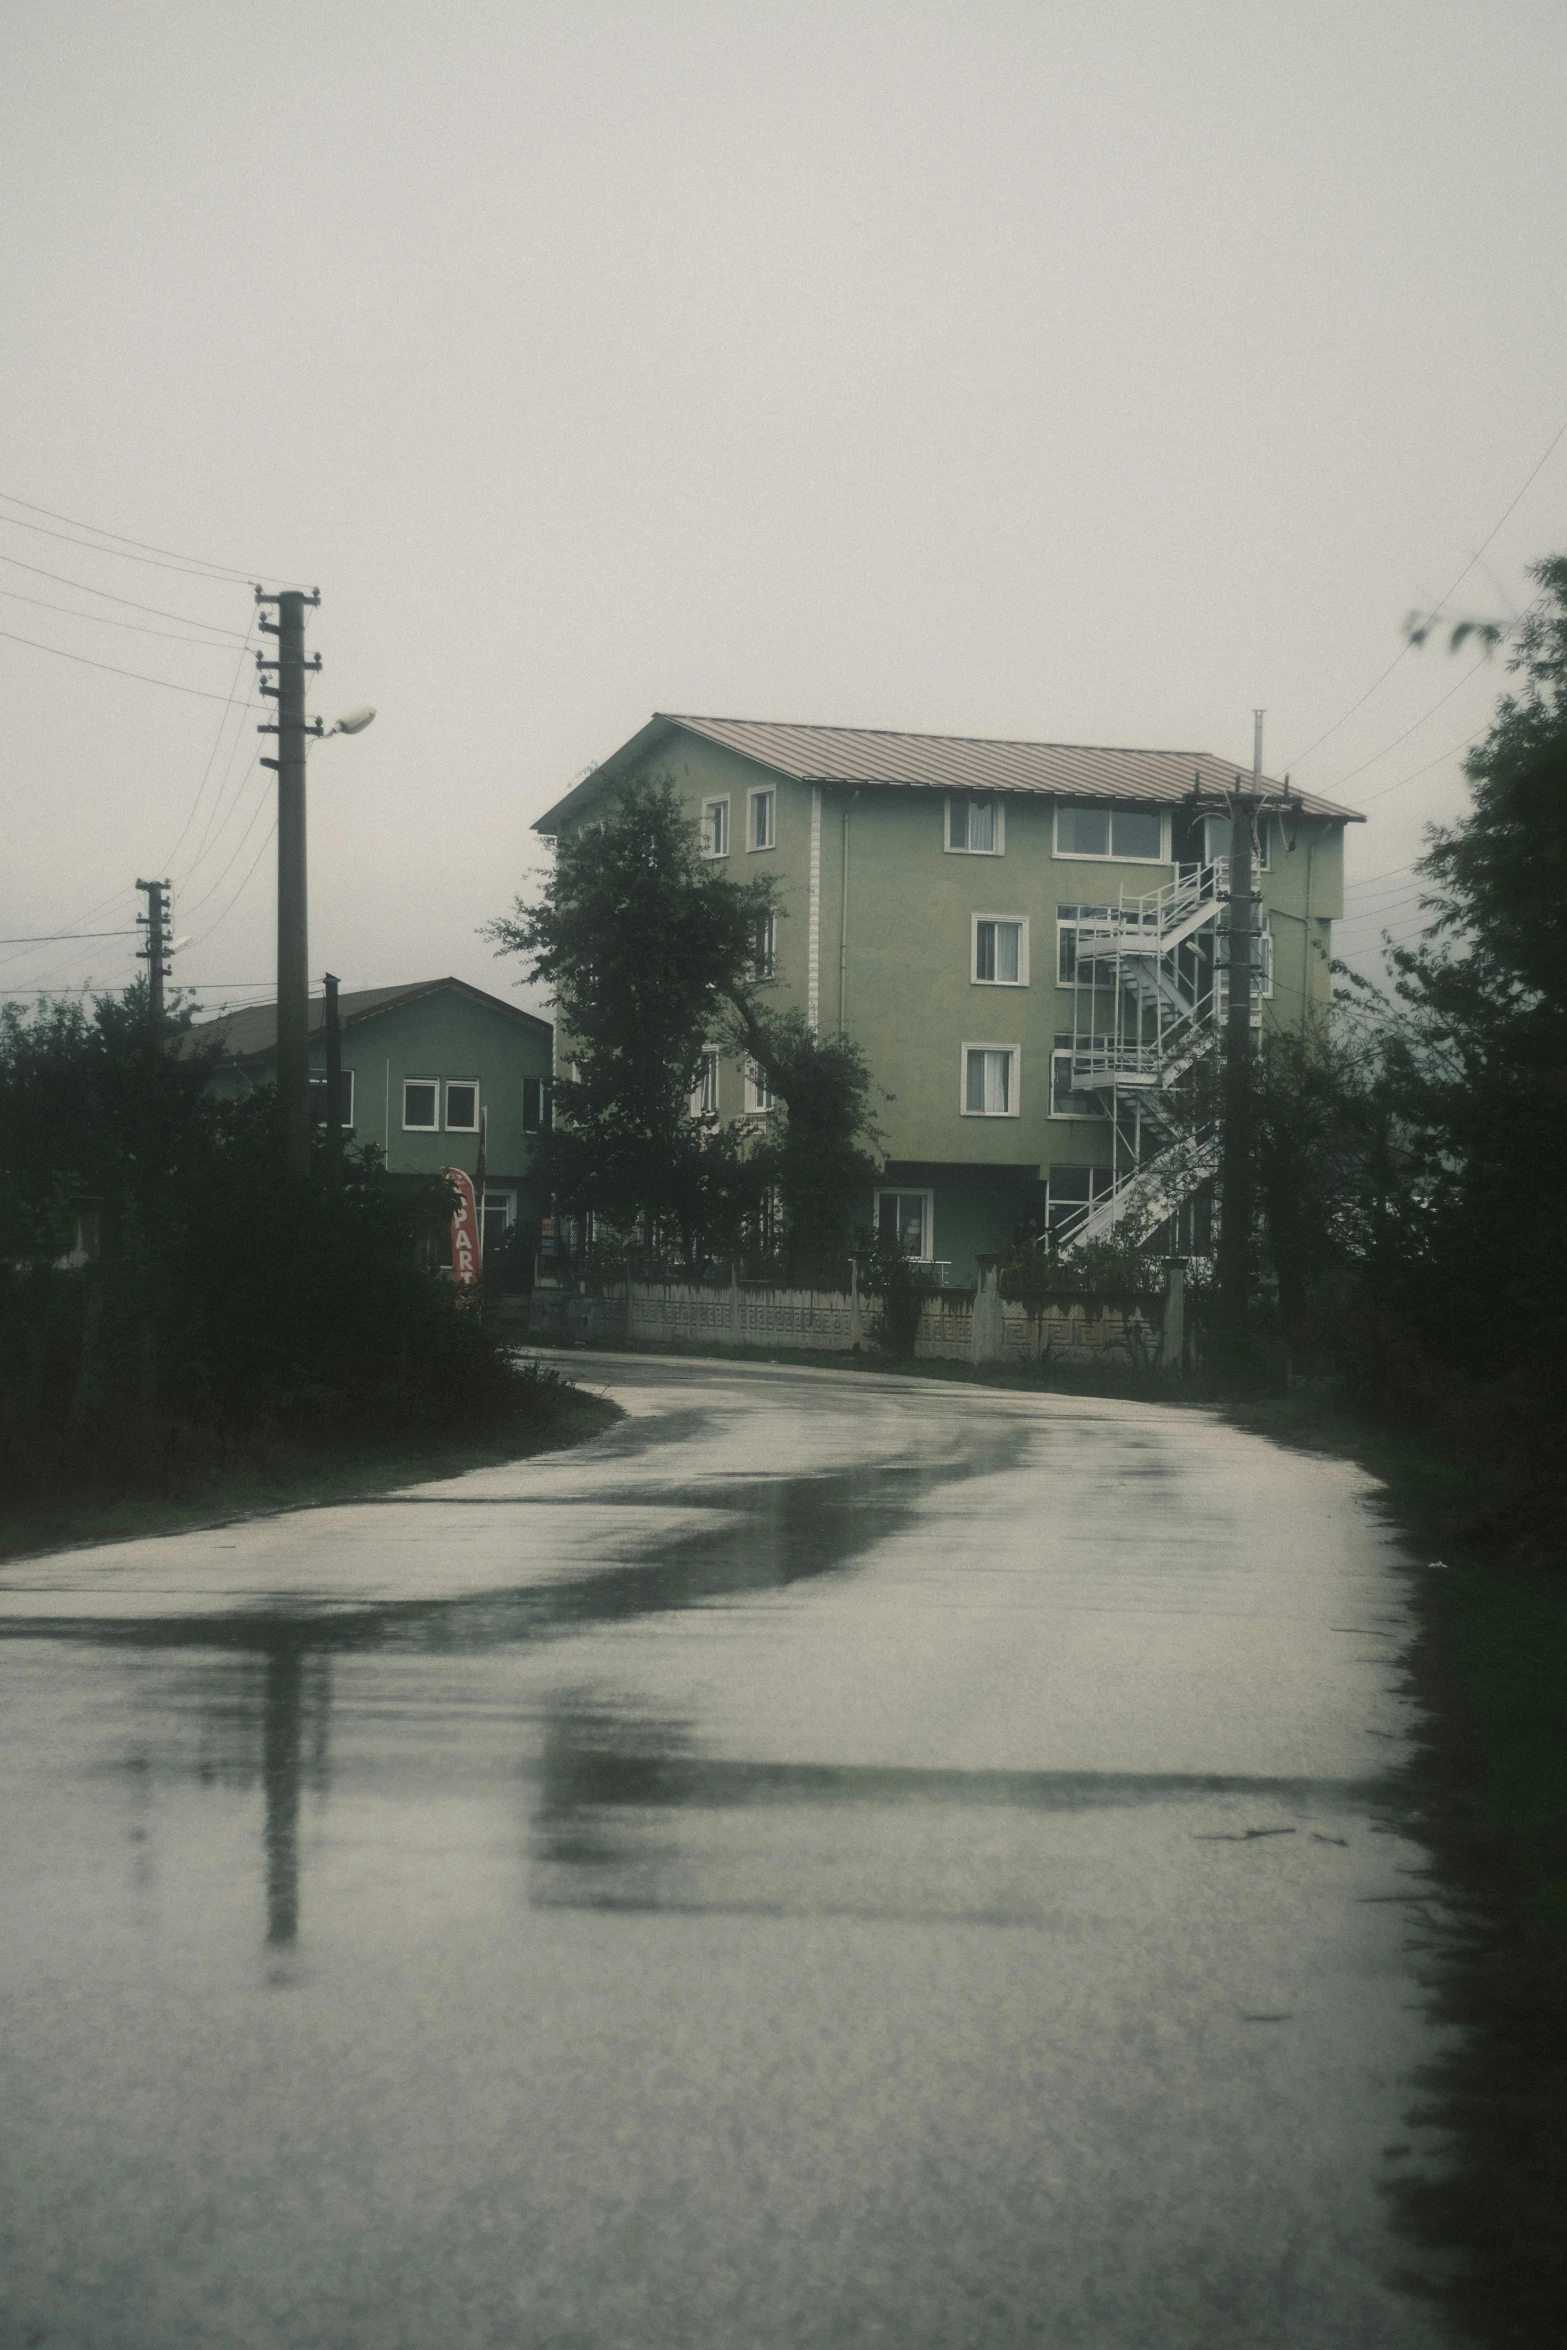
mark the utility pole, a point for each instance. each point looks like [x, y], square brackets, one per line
[293, 948]
[334, 1077]
[155, 953]
[1236, 1195]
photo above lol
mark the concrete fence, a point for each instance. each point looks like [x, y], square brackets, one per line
[974, 1325]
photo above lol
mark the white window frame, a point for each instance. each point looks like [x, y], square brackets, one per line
[1063, 1052]
[493, 1197]
[478, 1106]
[1107, 856]
[711, 1059]
[756, 1087]
[543, 1085]
[418, 1126]
[1021, 921]
[710, 830]
[1068, 922]
[928, 1215]
[761, 793]
[999, 805]
[991, 1044]
[766, 966]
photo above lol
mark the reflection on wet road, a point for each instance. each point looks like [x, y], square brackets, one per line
[831, 1862]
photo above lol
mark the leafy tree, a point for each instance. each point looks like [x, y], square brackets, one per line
[651, 951]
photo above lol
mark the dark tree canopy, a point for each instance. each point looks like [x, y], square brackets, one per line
[651, 952]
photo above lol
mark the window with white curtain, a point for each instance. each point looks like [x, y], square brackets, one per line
[990, 1080]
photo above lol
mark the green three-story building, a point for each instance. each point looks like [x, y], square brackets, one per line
[1026, 939]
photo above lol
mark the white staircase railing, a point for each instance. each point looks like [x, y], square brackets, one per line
[1146, 1010]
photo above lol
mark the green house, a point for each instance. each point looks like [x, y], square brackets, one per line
[1027, 941]
[428, 1069]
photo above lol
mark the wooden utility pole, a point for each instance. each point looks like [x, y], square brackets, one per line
[1236, 1204]
[293, 946]
[155, 953]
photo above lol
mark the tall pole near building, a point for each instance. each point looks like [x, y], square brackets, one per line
[1236, 1205]
[293, 946]
[155, 953]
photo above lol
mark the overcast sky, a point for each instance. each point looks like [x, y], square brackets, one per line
[1087, 372]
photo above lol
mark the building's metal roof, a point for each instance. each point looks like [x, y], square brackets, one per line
[251, 1032]
[870, 756]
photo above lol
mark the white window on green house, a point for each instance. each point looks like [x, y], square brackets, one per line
[990, 1081]
[764, 946]
[715, 828]
[1067, 919]
[761, 819]
[975, 824]
[421, 1099]
[1068, 1191]
[1068, 1096]
[1000, 950]
[462, 1105]
[758, 1090]
[1133, 835]
[533, 1105]
[704, 1094]
[905, 1219]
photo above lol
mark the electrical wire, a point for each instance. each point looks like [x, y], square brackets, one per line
[202, 693]
[172, 636]
[1407, 647]
[164, 558]
[168, 862]
[131, 603]
[244, 885]
[1472, 671]
[54, 938]
[237, 851]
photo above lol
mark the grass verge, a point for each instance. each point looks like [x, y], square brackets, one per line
[201, 1481]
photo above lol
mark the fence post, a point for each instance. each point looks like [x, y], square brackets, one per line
[1173, 1348]
[987, 1329]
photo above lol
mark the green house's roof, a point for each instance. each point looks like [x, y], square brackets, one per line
[868, 757]
[250, 1034]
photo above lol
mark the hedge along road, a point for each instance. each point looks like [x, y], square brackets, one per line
[833, 1861]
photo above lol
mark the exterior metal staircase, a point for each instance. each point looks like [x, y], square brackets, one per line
[1148, 994]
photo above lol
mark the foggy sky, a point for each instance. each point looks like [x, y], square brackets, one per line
[1089, 373]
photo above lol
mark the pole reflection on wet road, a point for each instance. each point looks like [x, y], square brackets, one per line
[836, 1860]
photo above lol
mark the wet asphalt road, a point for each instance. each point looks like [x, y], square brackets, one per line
[833, 1862]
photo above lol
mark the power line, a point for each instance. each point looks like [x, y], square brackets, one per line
[237, 851]
[1472, 671]
[130, 602]
[171, 636]
[54, 938]
[217, 744]
[244, 885]
[1407, 647]
[166, 558]
[202, 693]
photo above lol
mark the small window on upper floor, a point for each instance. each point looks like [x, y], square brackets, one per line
[989, 1081]
[758, 1089]
[761, 821]
[764, 945]
[421, 1096]
[1135, 835]
[704, 1094]
[976, 826]
[462, 1105]
[1000, 950]
[533, 1111]
[715, 828]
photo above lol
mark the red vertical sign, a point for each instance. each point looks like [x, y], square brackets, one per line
[465, 1229]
